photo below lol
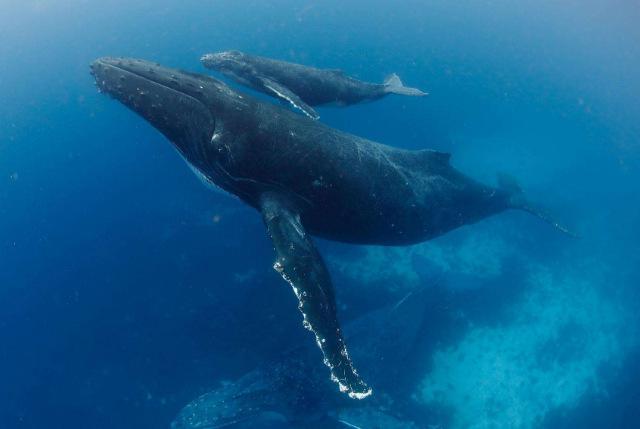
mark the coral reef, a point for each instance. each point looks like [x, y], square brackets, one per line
[564, 331]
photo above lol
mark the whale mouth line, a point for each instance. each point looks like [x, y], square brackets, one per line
[107, 64]
[105, 84]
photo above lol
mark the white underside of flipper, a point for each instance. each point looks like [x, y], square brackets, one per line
[286, 94]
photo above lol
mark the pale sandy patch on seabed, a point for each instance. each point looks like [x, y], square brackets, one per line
[564, 330]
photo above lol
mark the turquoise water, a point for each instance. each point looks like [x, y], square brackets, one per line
[127, 289]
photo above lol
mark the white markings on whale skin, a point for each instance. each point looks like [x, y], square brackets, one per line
[364, 148]
[278, 266]
[295, 104]
[215, 137]
[349, 424]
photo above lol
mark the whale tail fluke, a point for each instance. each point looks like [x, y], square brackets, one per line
[518, 201]
[394, 85]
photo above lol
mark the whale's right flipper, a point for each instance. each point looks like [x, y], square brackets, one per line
[286, 94]
[302, 267]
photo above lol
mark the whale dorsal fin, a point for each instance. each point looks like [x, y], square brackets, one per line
[300, 264]
[291, 97]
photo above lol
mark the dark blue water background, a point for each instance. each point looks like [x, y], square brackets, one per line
[121, 298]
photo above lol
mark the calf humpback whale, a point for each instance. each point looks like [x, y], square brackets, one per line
[302, 86]
[306, 179]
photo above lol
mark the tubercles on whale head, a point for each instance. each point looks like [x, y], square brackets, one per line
[177, 104]
[188, 109]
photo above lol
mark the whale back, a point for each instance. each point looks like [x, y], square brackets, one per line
[423, 160]
[428, 156]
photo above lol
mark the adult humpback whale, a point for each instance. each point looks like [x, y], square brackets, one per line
[296, 391]
[304, 176]
[302, 86]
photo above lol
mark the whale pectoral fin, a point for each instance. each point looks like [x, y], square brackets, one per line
[302, 267]
[291, 97]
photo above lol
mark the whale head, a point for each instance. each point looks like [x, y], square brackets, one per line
[224, 61]
[189, 109]
[233, 64]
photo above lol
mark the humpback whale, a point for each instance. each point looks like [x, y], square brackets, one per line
[301, 86]
[297, 391]
[305, 179]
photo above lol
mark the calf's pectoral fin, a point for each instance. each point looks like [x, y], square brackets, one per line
[289, 96]
[300, 264]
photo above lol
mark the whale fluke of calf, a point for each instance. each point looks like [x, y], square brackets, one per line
[302, 86]
[305, 179]
[394, 85]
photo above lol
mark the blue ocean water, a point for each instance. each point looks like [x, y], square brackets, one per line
[127, 289]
